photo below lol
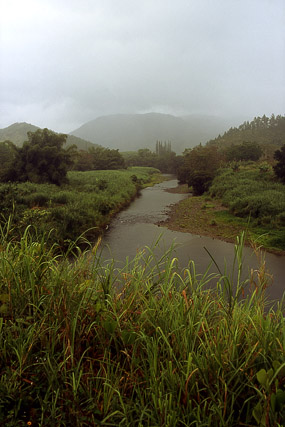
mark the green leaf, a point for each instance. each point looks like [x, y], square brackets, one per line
[3, 309]
[110, 326]
[270, 374]
[4, 297]
[273, 402]
[262, 377]
[98, 306]
[259, 415]
[276, 364]
[280, 400]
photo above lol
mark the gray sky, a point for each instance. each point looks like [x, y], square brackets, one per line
[65, 62]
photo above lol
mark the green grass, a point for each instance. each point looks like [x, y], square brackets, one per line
[253, 197]
[85, 344]
[88, 202]
[251, 192]
[269, 238]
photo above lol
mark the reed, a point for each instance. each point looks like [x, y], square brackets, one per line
[87, 343]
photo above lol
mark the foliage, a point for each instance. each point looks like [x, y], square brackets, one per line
[279, 168]
[251, 192]
[244, 152]
[99, 158]
[265, 131]
[163, 159]
[85, 344]
[8, 153]
[199, 168]
[87, 203]
[41, 159]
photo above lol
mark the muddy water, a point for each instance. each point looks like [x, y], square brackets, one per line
[135, 228]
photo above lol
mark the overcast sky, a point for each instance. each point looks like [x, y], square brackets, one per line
[65, 62]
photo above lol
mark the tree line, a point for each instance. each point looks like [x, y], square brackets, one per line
[43, 158]
[264, 130]
[201, 164]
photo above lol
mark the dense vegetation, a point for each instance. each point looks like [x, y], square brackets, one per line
[163, 158]
[259, 139]
[199, 168]
[279, 167]
[98, 158]
[41, 159]
[86, 202]
[84, 344]
[243, 152]
[265, 131]
[245, 170]
[252, 193]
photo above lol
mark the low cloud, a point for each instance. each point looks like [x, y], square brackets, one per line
[64, 63]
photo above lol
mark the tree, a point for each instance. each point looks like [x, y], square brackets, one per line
[99, 158]
[8, 153]
[245, 151]
[199, 168]
[279, 168]
[41, 159]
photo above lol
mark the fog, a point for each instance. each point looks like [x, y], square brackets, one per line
[66, 62]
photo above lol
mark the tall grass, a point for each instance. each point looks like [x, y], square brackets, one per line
[250, 191]
[84, 343]
[257, 199]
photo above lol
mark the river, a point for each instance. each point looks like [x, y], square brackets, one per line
[136, 228]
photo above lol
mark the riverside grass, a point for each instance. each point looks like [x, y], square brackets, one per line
[87, 202]
[84, 343]
[255, 201]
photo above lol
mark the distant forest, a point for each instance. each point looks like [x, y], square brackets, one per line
[262, 130]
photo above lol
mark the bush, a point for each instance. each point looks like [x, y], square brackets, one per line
[87, 203]
[38, 199]
[249, 193]
[61, 198]
[279, 168]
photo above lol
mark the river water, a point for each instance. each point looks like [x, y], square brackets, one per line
[136, 228]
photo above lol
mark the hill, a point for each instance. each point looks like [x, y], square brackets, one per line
[129, 132]
[17, 133]
[262, 130]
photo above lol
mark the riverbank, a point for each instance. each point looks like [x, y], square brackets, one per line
[83, 206]
[205, 216]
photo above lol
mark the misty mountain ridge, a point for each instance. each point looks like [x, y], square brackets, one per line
[130, 132]
[17, 133]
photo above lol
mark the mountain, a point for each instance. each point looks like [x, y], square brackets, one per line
[129, 132]
[17, 133]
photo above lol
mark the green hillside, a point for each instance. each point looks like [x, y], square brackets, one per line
[262, 130]
[17, 133]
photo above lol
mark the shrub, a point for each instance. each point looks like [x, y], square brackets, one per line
[37, 199]
[250, 193]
